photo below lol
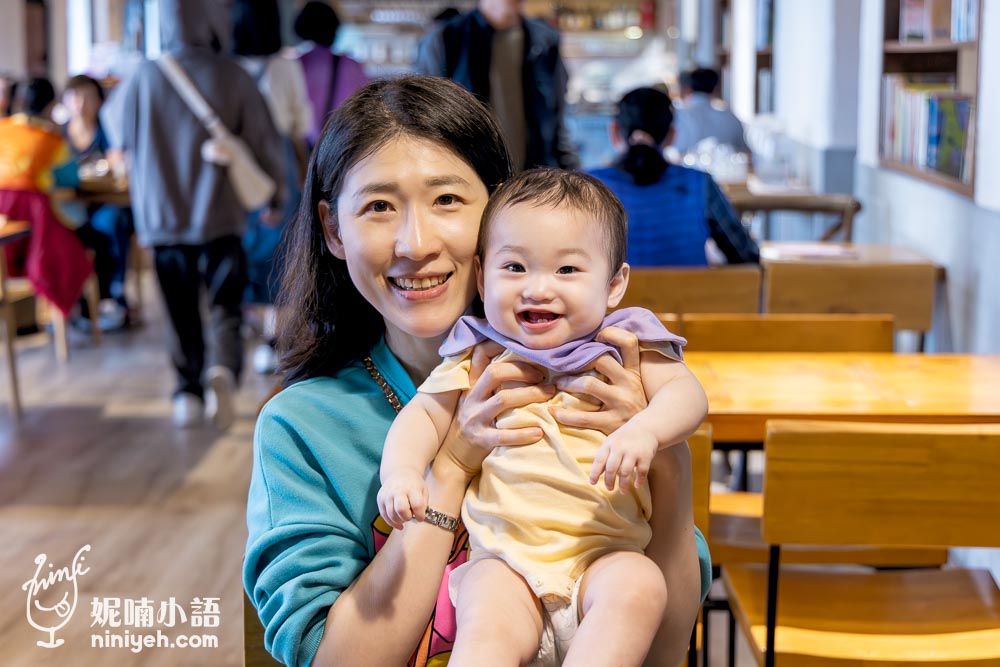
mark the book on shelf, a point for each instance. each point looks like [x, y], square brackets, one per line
[927, 124]
[926, 20]
[954, 115]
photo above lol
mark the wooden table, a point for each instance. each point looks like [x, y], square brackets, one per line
[860, 277]
[96, 191]
[746, 389]
[838, 253]
[10, 232]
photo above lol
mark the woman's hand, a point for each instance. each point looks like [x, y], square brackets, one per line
[621, 397]
[474, 432]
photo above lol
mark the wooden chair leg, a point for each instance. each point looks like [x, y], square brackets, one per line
[60, 331]
[93, 295]
[10, 332]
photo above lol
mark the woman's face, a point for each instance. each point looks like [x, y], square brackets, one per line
[82, 103]
[407, 219]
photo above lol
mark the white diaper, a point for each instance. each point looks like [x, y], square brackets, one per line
[561, 620]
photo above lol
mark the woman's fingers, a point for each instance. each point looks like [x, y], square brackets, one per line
[626, 342]
[495, 375]
[482, 355]
[599, 421]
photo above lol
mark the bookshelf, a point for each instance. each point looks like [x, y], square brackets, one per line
[929, 96]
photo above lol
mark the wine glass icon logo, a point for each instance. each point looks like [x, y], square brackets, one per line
[44, 587]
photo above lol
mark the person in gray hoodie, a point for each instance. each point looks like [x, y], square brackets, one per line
[185, 207]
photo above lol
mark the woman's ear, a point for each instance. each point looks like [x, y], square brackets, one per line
[331, 230]
[619, 283]
[615, 135]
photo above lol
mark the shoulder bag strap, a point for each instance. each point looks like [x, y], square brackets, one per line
[186, 89]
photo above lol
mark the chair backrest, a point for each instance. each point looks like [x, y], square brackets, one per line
[844, 206]
[254, 653]
[905, 291]
[700, 445]
[787, 333]
[839, 483]
[728, 289]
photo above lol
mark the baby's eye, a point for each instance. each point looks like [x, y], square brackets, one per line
[567, 269]
[513, 267]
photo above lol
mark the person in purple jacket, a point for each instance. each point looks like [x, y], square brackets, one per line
[330, 77]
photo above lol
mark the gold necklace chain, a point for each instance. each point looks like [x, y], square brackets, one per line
[387, 391]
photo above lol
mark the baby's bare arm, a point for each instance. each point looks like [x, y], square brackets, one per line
[677, 405]
[413, 440]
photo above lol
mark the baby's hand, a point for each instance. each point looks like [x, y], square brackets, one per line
[403, 496]
[626, 455]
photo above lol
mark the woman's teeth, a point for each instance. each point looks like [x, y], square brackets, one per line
[418, 283]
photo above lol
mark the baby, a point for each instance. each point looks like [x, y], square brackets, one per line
[557, 572]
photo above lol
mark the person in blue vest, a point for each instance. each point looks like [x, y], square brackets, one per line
[672, 210]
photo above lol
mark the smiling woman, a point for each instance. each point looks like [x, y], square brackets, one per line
[379, 267]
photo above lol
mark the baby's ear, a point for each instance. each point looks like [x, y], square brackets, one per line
[479, 277]
[619, 283]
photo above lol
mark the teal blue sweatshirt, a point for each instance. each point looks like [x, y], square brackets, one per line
[311, 513]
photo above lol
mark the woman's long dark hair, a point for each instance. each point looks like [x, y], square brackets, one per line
[649, 112]
[323, 321]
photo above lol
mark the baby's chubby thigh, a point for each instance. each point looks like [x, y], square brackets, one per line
[499, 618]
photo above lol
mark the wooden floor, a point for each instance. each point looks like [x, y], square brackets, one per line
[96, 461]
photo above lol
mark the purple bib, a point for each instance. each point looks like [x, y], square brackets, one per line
[575, 355]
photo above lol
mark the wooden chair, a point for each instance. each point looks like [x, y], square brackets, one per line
[254, 653]
[728, 289]
[19, 289]
[905, 291]
[842, 205]
[879, 484]
[787, 333]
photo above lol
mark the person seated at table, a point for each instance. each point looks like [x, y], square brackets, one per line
[700, 116]
[106, 229]
[34, 158]
[672, 210]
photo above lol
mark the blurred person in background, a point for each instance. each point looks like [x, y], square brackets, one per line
[256, 43]
[34, 159]
[8, 88]
[186, 207]
[513, 64]
[701, 116]
[672, 210]
[330, 77]
[105, 229]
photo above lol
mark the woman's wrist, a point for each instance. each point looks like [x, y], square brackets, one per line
[447, 482]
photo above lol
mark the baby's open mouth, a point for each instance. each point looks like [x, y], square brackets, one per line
[419, 284]
[537, 316]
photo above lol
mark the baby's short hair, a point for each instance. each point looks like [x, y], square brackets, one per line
[551, 187]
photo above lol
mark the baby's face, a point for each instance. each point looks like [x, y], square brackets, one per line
[545, 278]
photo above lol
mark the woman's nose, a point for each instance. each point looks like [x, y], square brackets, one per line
[417, 237]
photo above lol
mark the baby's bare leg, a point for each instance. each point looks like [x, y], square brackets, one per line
[499, 618]
[623, 596]
[674, 550]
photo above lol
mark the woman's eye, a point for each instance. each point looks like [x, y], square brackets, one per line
[566, 269]
[514, 267]
[447, 200]
[378, 207]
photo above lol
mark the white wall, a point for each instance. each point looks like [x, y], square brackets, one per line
[13, 54]
[815, 70]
